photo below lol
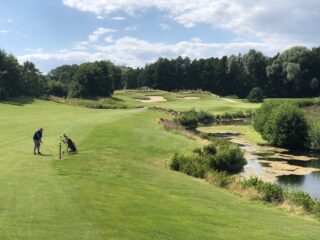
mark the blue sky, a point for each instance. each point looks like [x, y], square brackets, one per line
[133, 33]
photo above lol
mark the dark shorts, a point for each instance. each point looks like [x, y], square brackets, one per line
[36, 143]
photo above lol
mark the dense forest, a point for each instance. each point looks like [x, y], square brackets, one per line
[292, 73]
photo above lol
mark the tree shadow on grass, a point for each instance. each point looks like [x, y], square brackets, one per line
[20, 101]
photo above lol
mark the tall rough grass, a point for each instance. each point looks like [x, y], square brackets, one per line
[103, 103]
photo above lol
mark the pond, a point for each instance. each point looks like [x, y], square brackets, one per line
[299, 170]
[309, 183]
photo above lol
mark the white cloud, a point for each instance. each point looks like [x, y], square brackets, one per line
[4, 31]
[164, 26]
[118, 18]
[291, 19]
[80, 45]
[136, 52]
[99, 32]
[100, 17]
[10, 20]
[109, 39]
[131, 28]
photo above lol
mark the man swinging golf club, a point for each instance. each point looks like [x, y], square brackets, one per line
[37, 141]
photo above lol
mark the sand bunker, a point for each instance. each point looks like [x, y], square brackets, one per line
[189, 98]
[152, 99]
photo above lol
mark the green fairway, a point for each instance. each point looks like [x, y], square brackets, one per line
[118, 187]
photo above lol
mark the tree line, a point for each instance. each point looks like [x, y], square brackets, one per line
[292, 73]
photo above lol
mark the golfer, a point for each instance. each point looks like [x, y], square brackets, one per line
[37, 141]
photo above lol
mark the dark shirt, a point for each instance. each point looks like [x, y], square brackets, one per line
[37, 136]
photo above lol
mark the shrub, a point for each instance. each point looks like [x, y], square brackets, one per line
[209, 150]
[300, 199]
[271, 192]
[227, 116]
[191, 164]
[263, 113]
[229, 158]
[316, 208]
[314, 136]
[191, 119]
[287, 126]
[239, 114]
[256, 95]
[205, 117]
[220, 179]
[282, 124]
[188, 121]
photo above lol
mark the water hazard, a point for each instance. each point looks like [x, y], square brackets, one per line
[299, 170]
[309, 182]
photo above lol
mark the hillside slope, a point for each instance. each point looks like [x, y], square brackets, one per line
[118, 186]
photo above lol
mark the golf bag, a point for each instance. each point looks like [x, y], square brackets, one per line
[71, 146]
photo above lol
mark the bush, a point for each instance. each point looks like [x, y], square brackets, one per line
[316, 208]
[205, 117]
[191, 164]
[287, 127]
[188, 121]
[229, 158]
[263, 113]
[209, 150]
[191, 119]
[220, 179]
[271, 192]
[282, 124]
[256, 95]
[314, 136]
[300, 199]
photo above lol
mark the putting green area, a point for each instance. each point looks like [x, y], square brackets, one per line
[118, 186]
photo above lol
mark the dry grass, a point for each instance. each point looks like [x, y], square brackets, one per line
[172, 126]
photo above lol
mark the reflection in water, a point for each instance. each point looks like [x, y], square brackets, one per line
[256, 167]
[309, 183]
[291, 180]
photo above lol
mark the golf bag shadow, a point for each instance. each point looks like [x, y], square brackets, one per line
[70, 145]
